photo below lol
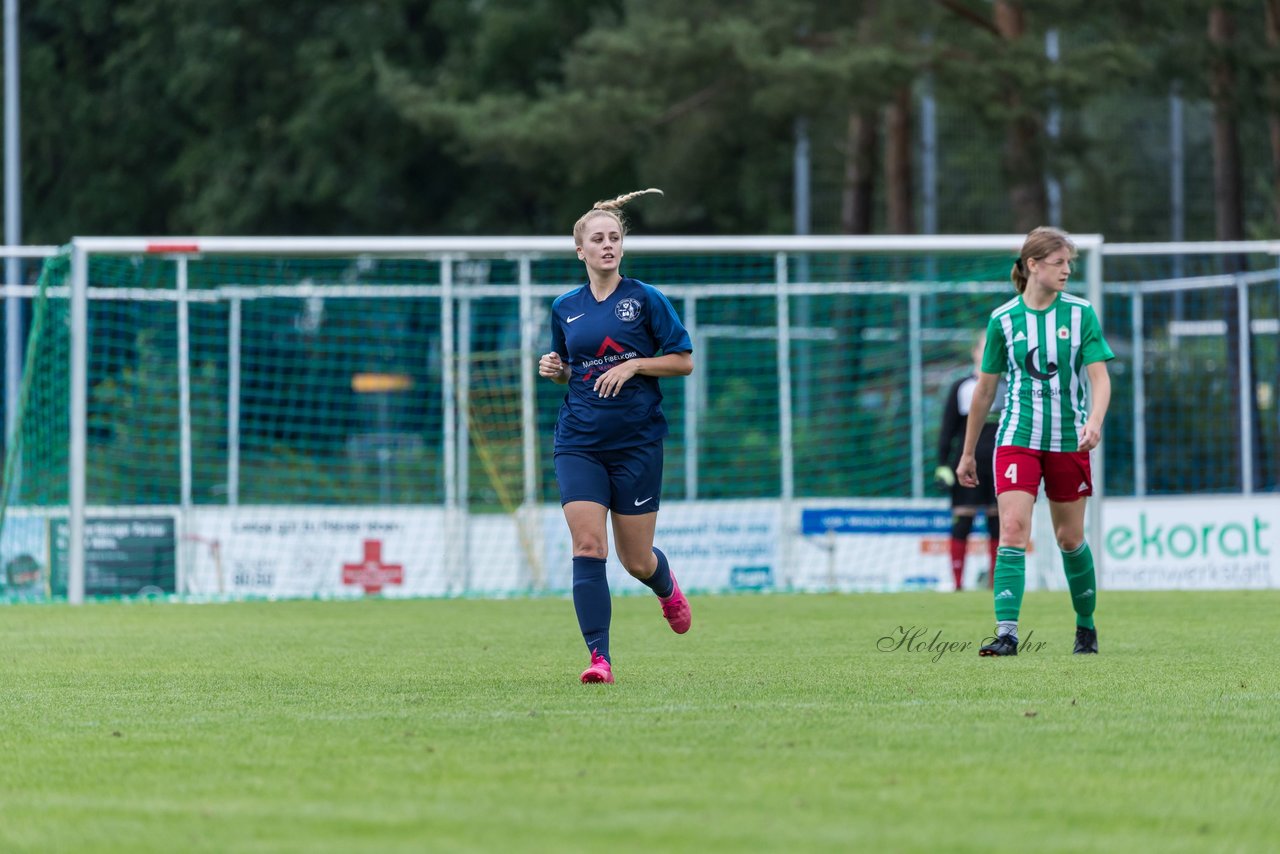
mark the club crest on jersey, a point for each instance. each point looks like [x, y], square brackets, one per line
[1029, 363]
[1063, 333]
[627, 309]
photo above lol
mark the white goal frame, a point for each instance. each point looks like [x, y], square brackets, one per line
[448, 249]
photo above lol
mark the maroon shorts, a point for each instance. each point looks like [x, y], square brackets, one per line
[1066, 474]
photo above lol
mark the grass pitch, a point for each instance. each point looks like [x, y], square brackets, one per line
[778, 723]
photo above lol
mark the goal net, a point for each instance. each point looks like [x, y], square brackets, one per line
[340, 418]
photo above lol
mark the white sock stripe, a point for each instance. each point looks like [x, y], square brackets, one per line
[1078, 549]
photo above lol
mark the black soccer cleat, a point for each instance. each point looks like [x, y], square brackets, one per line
[1086, 641]
[1003, 645]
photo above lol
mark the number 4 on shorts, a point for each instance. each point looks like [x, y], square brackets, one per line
[1011, 473]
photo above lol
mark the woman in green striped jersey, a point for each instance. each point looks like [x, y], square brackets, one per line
[1048, 344]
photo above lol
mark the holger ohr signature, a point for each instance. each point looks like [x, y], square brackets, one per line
[918, 639]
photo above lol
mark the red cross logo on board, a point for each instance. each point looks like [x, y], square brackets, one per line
[607, 344]
[371, 573]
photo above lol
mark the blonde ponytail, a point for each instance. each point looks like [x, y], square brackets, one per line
[609, 207]
[617, 202]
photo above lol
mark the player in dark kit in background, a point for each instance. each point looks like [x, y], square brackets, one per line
[966, 502]
[606, 337]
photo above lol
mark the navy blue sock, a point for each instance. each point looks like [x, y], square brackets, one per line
[591, 601]
[660, 582]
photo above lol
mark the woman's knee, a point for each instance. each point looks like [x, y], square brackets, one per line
[1014, 532]
[589, 546]
[1069, 537]
[639, 564]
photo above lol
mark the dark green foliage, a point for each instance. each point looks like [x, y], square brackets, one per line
[510, 117]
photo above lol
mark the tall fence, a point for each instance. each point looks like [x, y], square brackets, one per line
[342, 417]
[1196, 399]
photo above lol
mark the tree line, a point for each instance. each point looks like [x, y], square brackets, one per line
[511, 116]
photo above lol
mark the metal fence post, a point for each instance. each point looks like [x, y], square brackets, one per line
[79, 405]
[785, 427]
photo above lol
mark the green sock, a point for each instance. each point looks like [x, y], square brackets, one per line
[1011, 580]
[1082, 583]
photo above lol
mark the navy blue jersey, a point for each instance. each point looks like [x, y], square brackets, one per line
[634, 322]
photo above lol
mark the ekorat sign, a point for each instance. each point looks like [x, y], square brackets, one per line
[1191, 544]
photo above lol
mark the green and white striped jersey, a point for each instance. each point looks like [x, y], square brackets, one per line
[1043, 355]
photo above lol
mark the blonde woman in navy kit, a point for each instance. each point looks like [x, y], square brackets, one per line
[612, 338]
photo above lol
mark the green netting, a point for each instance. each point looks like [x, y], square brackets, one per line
[322, 383]
[35, 466]
[35, 469]
[308, 431]
[1180, 430]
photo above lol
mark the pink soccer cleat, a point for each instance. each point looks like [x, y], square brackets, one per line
[599, 671]
[676, 609]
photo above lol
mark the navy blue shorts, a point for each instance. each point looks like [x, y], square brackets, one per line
[627, 481]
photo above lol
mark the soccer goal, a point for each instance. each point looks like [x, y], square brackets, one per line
[316, 417]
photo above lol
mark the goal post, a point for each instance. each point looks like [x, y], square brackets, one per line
[819, 362]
